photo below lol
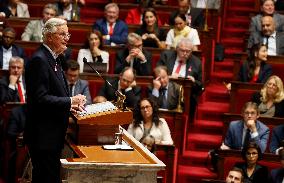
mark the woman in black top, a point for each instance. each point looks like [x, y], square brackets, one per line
[151, 34]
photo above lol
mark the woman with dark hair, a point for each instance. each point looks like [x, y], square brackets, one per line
[182, 30]
[253, 172]
[150, 32]
[255, 69]
[92, 50]
[147, 127]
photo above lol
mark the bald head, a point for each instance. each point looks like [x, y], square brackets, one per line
[268, 25]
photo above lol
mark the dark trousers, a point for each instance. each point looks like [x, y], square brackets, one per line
[46, 166]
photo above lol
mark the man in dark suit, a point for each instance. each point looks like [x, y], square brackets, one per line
[76, 85]
[12, 87]
[277, 139]
[241, 132]
[126, 85]
[8, 48]
[194, 16]
[277, 175]
[48, 103]
[134, 56]
[114, 31]
[164, 92]
[269, 36]
[182, 63]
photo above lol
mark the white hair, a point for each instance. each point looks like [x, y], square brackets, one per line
[185, 41]
[16, 59]
[50, 26]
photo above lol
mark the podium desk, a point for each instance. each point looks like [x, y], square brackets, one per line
[97, 165]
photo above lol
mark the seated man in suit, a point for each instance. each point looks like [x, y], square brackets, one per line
[248, 129]
[126, 84]
[277, 175]
[134, 56]
[9, 49]
[76, 85]
[33, 31]
[267, 8]
[114, 31]
[194, 16]
[235, 175]
[164, 92]
[277, 139]
[12, 87]
[182, 63]
[269, 36]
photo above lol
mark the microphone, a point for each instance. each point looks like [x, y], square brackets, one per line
[117, 92]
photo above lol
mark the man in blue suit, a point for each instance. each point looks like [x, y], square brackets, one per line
[114, 31]
[277, 175]
[241, 132]
[9, 49]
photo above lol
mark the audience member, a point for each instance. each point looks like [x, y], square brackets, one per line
[151, 34]
[99, 99]
[134, 16]
[235, 175]
[240, 132]
[277, 175]
[76, 85]
[277, 139]
[182, 63]
[114, 31]
[12, 87]
[68, 10]
[253, 172]
[194, 16]
[267, 9]
[126, 84]
[9, 49]
[181, 30]
[269, 36]
[148, 127]
[210, 4]
[92, 50]
[33, 31]
[163, 91]
[15, 8]
[134, 56]
[270, 98]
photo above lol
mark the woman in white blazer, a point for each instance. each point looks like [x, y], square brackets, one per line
[18, 9]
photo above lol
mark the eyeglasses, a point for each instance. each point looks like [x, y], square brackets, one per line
[66, 35]
[184, 51]
[145, 107]
[252, 154]
[273, 85]
[247, 113]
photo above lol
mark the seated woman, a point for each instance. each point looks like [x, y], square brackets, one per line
[147, 127]
[181, 30]
[92, 50]
[253, 172]
[270, 98]
[15, 8]
[150, 32]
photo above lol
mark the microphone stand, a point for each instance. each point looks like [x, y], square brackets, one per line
[120, 97]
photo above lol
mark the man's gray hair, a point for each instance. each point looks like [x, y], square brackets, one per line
[133, 37]
[185, 41]
[51, 25]
[51, 6]
[110, 5]
[16, 59]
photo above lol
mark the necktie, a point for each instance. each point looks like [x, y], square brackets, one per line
[110, 32]
[247, 138]
[266, 39]
[164, 98]
[20, 92]
[178, 67]
[71, 90]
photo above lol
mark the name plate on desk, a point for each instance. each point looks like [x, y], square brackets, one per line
[118, 147]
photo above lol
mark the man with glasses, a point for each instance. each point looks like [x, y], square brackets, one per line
[48, 103]
[126, 84]
[241, 132]
[134, 56]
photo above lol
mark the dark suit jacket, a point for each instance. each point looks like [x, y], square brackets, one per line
[197, 17]
[234, 135]
[16, 51]
[277, 175]
[257, 37]
[168, 59]
[17, 121]
[172, 97]
[132, 96]
[48, 102]
[142, 69]
[82, 87]
[260, 173]
[7, 94]
[276, 138]
[120, 31]
[279, 107]
[264, 72]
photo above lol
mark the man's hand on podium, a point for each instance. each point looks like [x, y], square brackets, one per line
[78, 103]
